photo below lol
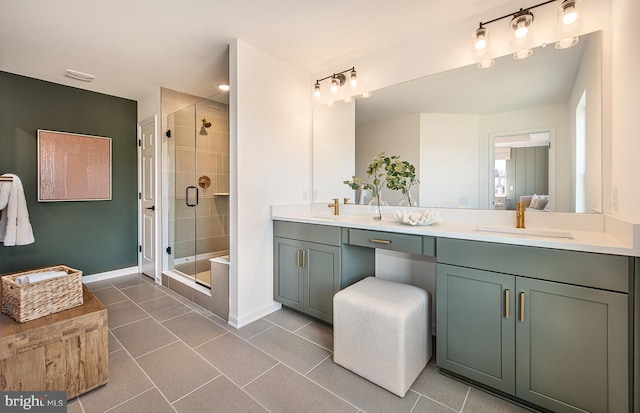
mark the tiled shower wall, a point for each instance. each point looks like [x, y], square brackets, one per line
[200, 152]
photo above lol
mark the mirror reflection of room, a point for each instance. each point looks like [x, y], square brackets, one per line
[449, 124]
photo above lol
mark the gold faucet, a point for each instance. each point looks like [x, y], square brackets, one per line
[346, 201]
[520, 208]
[336, 206]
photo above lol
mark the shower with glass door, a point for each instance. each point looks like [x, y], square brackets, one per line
[198, 187]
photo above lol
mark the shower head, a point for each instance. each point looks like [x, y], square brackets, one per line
[205, 123]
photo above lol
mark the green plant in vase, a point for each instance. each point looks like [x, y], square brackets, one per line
[401, 175]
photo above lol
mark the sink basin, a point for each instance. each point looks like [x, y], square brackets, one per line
[527, 232]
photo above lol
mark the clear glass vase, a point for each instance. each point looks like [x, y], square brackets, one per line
[377, 207]
[408, 200]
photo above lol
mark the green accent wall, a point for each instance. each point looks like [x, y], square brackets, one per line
[92, 236]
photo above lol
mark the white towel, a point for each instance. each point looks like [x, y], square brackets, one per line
[15, 228]
[39, 276]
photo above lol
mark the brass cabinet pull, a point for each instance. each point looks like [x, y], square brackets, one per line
[506, 303]
[521, 316]
[298, 258]
[380, 241]
[304, 258]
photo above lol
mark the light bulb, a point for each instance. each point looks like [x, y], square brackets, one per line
[480, 39]
[353, 79]
[223, 86]
[316, 90]
[334, 85]
[522, 30]
[570, 17]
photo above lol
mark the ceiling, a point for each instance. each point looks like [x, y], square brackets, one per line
[133, 47]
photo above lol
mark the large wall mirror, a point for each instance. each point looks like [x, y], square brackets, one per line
[479, 138]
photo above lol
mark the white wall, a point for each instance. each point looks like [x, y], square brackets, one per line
[270, 163]
[375, 137]
[449, 145]
[334, 146]
[625, 174]
[553, 118]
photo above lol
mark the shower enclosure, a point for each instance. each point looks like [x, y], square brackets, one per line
[197, 154]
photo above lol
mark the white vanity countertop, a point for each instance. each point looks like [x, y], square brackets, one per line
[594, 239]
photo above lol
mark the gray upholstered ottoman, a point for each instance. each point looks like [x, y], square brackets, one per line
[382, 332]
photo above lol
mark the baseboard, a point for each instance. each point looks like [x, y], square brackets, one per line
[239, 322]
[109, 274]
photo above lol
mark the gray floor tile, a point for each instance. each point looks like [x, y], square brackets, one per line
[128, 280]
[143, 336]
[287, 319]
[176, 370]
[296, 352]
[73, 406]
[283, 390]
[142, 292]
[110, 295]
[252, 329]
[480, 402]
[194, 329]
[444, 390]
[238, 360]
[114, 344]
[220, 395]
[149, 401]
[123, 313]
[429, 406]
[319, 334]
[360, 392]
[164, 308]
[126, 380]
[98, 285]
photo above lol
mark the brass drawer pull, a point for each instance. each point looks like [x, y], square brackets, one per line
[304, 258]
[506, 303]
[380, 241]
[521, 317]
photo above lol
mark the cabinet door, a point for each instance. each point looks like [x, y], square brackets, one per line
[288, 276]
[322, 273]
[572, 347]
[476, 325]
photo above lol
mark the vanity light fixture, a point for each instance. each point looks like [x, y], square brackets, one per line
[521, 22]
[568, 21]
[337, 81]
[223, 86]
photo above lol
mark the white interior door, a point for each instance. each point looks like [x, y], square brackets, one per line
[147, 198]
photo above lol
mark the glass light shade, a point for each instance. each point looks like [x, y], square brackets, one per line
[353, 79]
[480, 41]
[316, 91]
[334, 85]
[568, 12]
[520, 24]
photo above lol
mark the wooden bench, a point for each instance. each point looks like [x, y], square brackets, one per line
[65, 351]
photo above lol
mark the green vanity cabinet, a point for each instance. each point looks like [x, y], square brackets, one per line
[311, 264]
[558, 345]
[475, 322]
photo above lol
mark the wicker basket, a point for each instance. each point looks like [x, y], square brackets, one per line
[30, 301]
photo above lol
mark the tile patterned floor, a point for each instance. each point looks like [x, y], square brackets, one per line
[167, 354]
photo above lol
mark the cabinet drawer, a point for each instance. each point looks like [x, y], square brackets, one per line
[323, 234]
[609, 272]
[411, 244]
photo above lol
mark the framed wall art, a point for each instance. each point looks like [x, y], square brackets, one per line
[73, 167]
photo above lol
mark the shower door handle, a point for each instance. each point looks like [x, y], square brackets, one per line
[186, 194]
